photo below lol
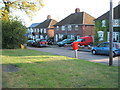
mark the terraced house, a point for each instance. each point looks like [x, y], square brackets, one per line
[74, 26]
[43, 30]
[102, 26]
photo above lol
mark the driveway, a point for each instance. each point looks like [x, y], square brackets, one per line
[67, 51]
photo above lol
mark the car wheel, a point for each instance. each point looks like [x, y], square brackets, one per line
[93, 52]
[114, 54]
[59, 45]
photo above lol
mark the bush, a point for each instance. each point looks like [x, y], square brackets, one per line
[13, 34]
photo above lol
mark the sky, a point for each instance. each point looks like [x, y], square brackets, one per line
[59, 9]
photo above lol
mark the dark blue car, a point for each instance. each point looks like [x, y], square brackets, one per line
[103, 48]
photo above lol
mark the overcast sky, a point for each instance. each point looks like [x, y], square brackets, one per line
[59, 9]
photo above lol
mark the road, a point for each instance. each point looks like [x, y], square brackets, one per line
[85, 55]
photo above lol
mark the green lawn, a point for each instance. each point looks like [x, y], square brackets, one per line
[44, 70]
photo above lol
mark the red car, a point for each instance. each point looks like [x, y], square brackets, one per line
[85, 41]
[41, 43]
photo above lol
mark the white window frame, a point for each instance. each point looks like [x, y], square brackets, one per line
[76, 27]
[37, 29]
[45, 30]
[63, 28]
[103, 23]
[101, 35]
[41, 30]
[69, 27]
[57, 27]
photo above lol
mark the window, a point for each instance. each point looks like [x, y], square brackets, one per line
[103, 23]
[72, 37]
[31, 30]
[100, 35]
[116, 23]
[104, 45]
[45, 31]
[76, 27]
[60, 36]
[38, 30]
[69, 27]
[37, 36]
[41, 37]
[63, 28]
[116, 36]
[41, 30]
[34, 30]
[57, 28]
[78, 37]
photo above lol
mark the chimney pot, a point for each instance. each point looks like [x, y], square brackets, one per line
[77, 10]
[49, 17]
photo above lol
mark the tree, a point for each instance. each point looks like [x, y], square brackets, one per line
[27, 6]
[13, 34]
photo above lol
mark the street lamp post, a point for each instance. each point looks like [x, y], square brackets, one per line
[111, 34]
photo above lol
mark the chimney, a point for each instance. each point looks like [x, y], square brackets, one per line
[49, 17]
[77, 10]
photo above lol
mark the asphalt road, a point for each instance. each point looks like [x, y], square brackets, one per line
[82, 54]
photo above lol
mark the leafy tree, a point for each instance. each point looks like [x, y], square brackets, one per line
[27, 6]
[97, 28]
[13, 34]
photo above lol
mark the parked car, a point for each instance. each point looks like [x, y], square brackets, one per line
[50, 41]
[41, 43]
[85, 41]
[30, 42]
[103, 48]
[65, 42]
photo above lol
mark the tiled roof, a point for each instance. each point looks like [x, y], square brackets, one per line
[116, 14]
[75, 18]
[44, 24]
[34, 25]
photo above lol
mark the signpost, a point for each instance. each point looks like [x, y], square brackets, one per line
[111, 34]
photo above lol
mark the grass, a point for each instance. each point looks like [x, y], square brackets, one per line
[44, 70]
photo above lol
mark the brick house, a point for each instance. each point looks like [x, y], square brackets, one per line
[74, 26]
[46, 28]
[102, 26]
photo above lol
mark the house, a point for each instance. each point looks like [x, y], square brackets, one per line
[46, 28]
[31, 29]
[102, 26]
[74, 26]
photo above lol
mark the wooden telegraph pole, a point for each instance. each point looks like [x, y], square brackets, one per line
[111, 34]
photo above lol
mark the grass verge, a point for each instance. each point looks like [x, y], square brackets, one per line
[43, 70]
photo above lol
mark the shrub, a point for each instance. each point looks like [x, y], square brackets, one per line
[13, 34]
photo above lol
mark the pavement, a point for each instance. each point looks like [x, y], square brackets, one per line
[84, 54]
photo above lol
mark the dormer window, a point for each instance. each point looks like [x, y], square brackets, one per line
[63, 28]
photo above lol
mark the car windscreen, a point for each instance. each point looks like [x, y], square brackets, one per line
[65, 40]
[43, 40]
[118, 45]
[78, 40]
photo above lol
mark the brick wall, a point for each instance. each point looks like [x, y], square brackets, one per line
[50, 33]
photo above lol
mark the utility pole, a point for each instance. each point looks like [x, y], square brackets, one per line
[111, 33]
